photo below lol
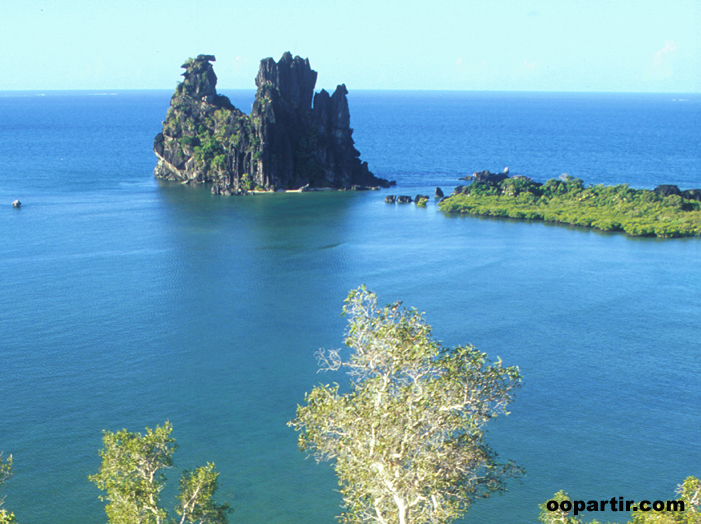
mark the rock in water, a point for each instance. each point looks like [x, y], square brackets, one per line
[287, 142]
[16, 203]
[421, 200]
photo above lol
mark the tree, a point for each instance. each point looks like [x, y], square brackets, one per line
[407, 440]
[132, 477]
[689, 494]
[5, 474]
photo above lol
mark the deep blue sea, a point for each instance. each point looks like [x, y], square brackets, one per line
[125, 301]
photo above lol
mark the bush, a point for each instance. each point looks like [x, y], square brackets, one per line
[637, 212]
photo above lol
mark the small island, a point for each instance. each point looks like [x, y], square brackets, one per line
[285, 143]
[663, 212]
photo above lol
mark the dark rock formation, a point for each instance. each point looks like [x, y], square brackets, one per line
[420, 198]
[17, 204]
[692, 194]
[403, 200]
[390, 199]
[487, 176]
[439, 193]
[666, 190]
[285, 143]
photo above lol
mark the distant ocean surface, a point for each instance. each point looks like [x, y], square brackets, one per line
[125, 301]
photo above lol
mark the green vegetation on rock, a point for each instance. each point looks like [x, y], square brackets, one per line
[637, 212]
[292, 138]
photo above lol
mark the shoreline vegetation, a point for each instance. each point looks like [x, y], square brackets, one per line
[664, 212]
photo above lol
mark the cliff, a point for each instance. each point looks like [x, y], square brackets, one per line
[292, 138]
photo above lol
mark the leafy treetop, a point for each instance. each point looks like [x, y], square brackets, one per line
[407, 440]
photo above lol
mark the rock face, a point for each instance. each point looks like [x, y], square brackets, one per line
[692, 194]
[420, 197]
[488, 176]
[667, 190]
[285, 143]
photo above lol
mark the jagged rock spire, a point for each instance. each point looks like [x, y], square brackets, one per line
[284, 143]
[292, 77]
[200, 80]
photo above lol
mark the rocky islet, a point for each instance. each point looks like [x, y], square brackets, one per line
[292, 139]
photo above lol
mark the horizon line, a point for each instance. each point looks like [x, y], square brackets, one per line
[395, 90]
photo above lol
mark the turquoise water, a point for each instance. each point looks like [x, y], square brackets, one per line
[126, 302]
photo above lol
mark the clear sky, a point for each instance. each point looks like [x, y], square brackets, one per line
[528, 45]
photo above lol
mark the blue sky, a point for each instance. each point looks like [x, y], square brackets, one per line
[546, 45]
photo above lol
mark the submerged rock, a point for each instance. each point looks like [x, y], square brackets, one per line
[292, 138]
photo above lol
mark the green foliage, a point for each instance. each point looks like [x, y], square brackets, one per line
[689, 492]
[189, 141]
[518, 185]
[195, 501]
[208, 150]
[245, 183]
[221, 116]
[234, 140]
[407, 440]
[483, 188]
[132, 476]
[5, 474]
[219, 162]
[636, 212]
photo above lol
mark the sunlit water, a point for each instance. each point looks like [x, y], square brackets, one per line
[126, 302]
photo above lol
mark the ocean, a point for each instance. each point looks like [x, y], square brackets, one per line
[126, 301]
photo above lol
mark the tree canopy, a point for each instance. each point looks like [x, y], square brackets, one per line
[689, 493]
[407, 440]
[132, 476]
